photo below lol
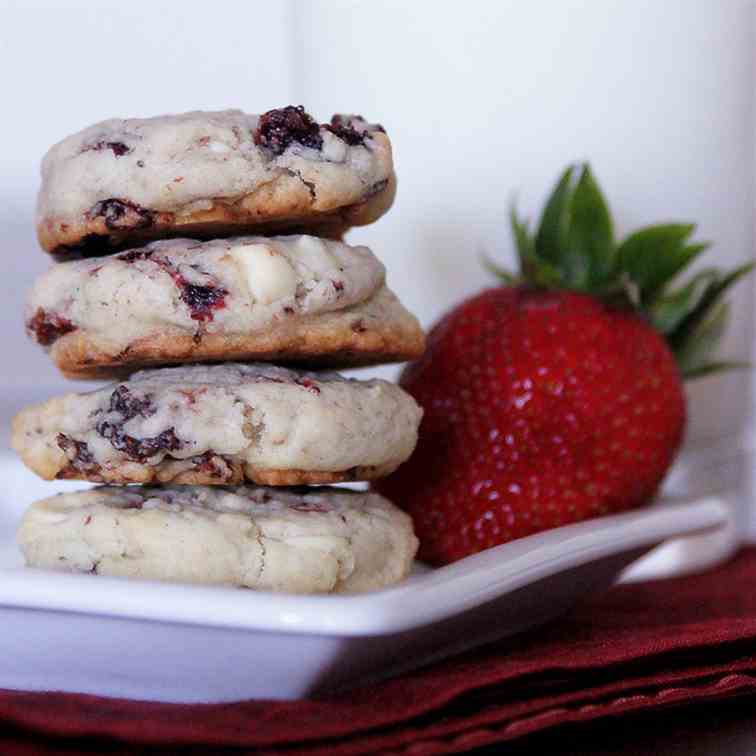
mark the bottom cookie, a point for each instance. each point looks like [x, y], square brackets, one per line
[321, 540]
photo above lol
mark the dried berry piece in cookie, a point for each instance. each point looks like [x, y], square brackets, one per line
[306, 383]
[119, 149]
[78, 453]
[215, 466]
[118, 213]
[136, 254]
[47, 327]
[125, 403]
[138, 449]
[278, 128]
[352, 128]
[201, 299]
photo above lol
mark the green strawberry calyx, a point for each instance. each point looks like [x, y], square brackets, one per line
[574, 248]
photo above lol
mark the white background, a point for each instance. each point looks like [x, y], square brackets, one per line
[483, 100]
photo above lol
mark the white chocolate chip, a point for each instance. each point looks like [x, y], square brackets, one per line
[218, 147]
[334, 149]
[315, 255]
[269, 275]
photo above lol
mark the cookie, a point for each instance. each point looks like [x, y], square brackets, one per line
[286, 299]
[325, 540]
[222, 424]
[211, 174]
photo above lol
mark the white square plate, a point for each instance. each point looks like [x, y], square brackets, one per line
[165, 642]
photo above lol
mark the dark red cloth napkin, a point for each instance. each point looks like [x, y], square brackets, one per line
[638, 647]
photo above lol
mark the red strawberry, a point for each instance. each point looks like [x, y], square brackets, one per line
[558, 397]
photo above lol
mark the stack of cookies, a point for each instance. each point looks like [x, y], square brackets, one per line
[173, 278]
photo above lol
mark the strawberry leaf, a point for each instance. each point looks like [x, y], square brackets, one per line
[682, 339]
[619, 293]
[669, 311]
[698, 349]
[589, 254]
[534, 269]
[653, 256]
[506, 276]
[523, 241]
[715, 367]
[552, 228]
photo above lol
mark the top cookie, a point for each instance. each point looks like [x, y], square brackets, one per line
[211, 174]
